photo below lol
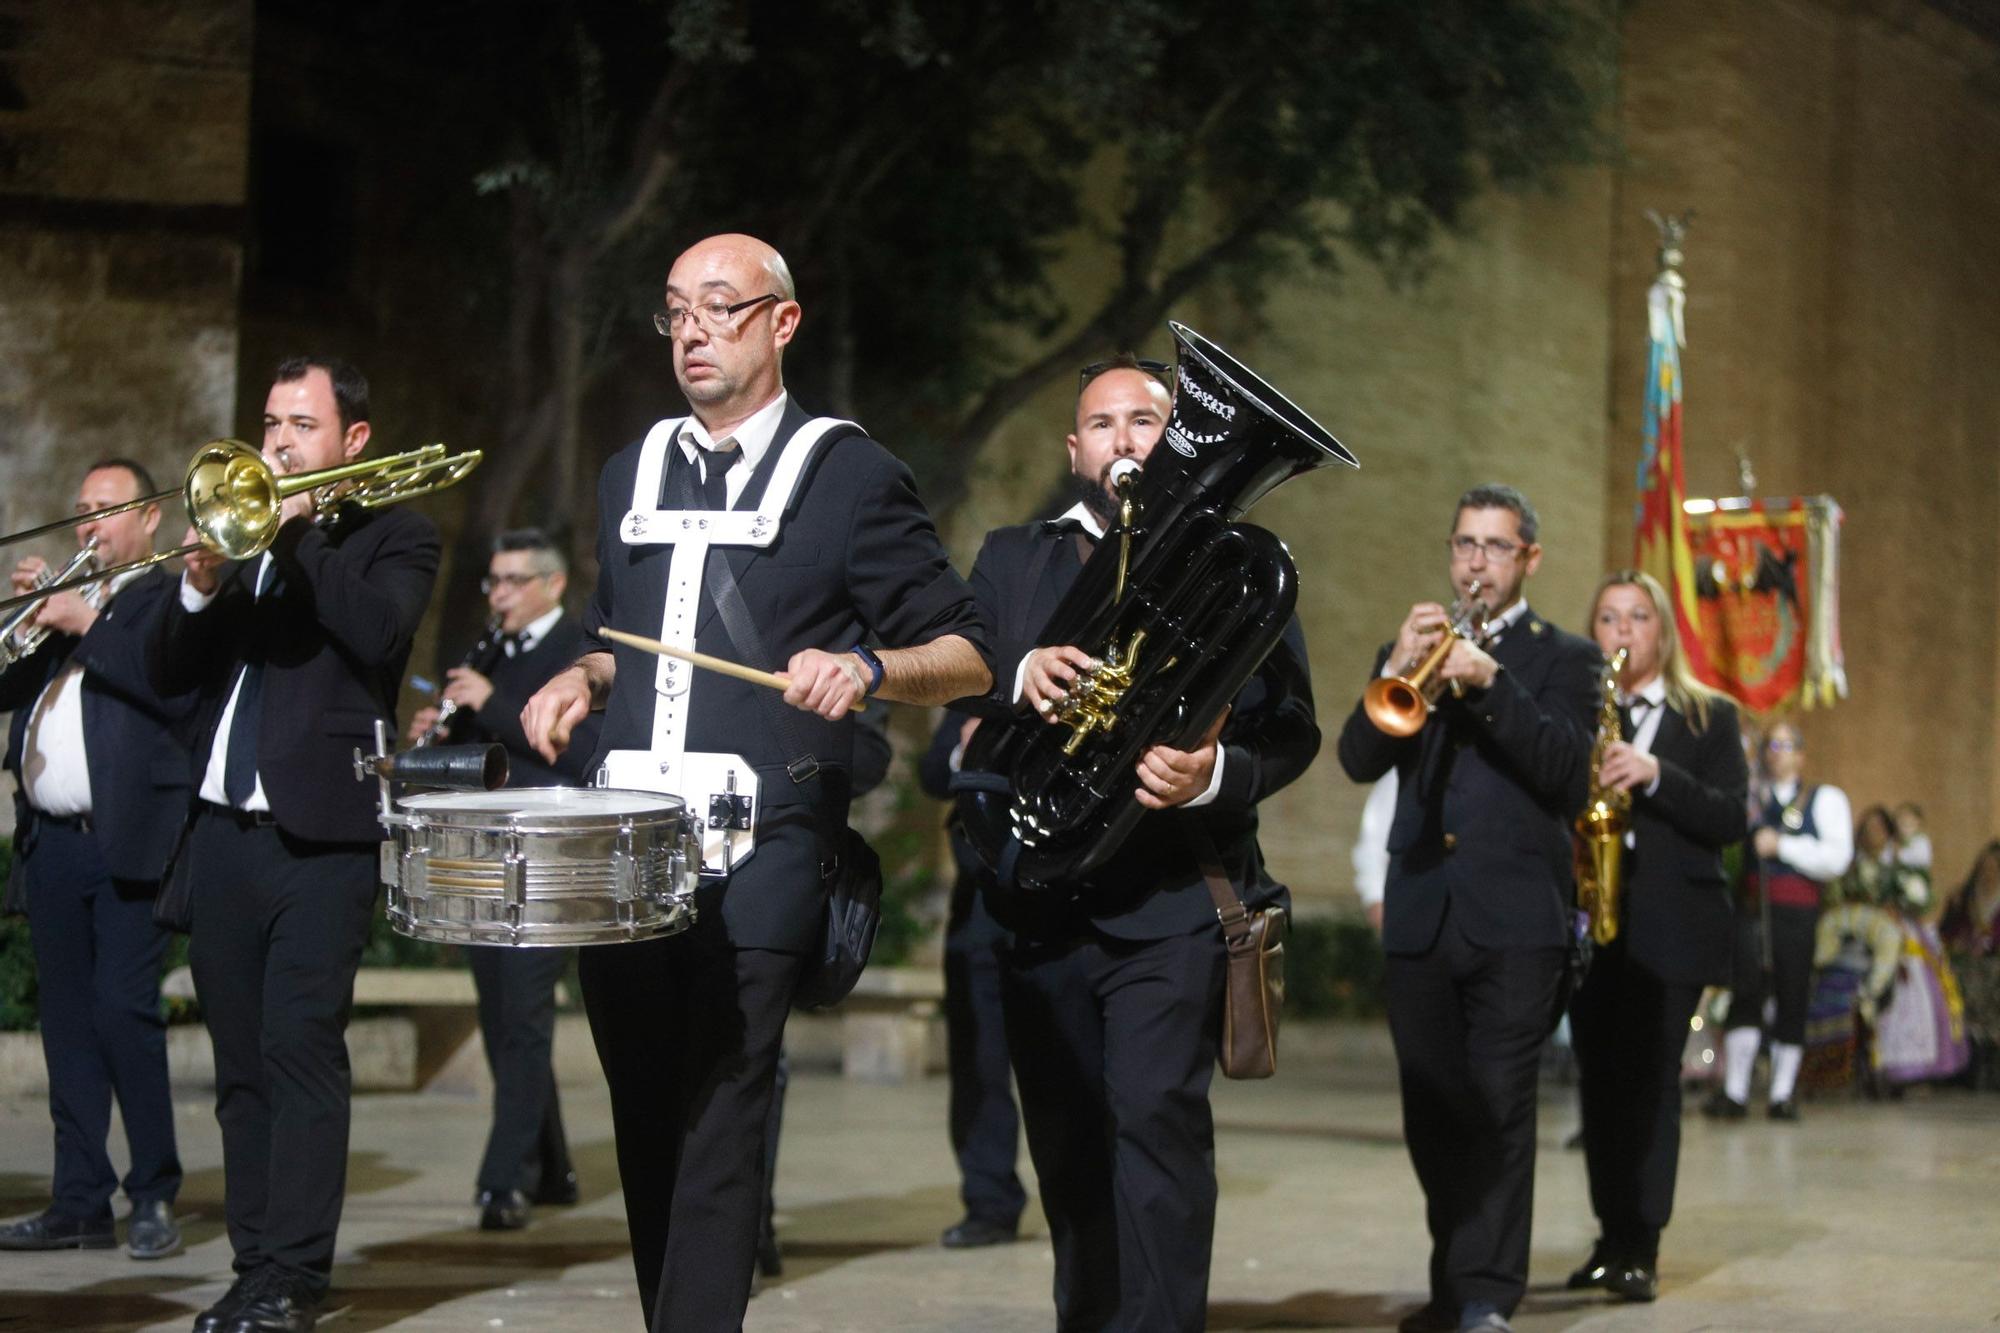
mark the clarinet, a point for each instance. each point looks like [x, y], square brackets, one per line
[480, 659]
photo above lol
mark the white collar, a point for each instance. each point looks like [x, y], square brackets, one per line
[753, 435]
[537, 629]
[1080, 513]
[1507, 619]
[1653, 692]
[1784, 793]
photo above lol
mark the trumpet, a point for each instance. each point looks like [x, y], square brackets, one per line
[19, 639]
[1600, 829]
[1401, 705]
[234, 501]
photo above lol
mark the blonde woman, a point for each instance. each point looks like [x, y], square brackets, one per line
[1682, 761]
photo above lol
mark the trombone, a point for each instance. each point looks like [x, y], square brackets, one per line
[234, 498]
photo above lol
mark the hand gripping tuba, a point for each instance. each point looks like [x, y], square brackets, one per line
[1206, 600]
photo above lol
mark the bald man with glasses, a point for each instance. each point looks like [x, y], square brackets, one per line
[1478, 911]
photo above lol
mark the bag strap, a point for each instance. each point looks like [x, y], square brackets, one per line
[1229, 906]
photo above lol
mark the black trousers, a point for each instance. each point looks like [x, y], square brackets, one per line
[97, 965]
[1630, 1030]
[985, 1127]
[517, 1023]
[1794, 932]
[1114, 1045]
[687, 1029]
[279, 924]
[1469, 1024]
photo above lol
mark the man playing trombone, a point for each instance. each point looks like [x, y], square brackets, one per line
[100, 761]
[297, 653]
[1477, 915]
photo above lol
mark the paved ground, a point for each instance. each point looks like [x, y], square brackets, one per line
[1861, 1217]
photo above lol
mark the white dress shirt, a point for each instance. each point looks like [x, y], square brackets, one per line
[536, 630]
[212, 788]
[1826, 854]
[1371, 844]
[1081, 514]
[753, 437]
[55, 763]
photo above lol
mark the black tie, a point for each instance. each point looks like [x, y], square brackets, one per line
[715, 465]
[239, 763]
[511, 644]
[1629, 715]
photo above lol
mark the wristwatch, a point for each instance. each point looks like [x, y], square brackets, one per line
[874, 665]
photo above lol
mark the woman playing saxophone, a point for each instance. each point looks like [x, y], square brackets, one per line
[1680, 762]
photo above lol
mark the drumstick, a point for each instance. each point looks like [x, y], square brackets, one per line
[768, 679]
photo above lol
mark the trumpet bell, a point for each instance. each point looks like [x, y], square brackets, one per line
[232, 498]
[1396, 706]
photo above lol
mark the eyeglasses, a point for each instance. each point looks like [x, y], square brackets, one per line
[1783, 747]
[1159, 370]
[714, 315]
[1497, 551]
[515, 581]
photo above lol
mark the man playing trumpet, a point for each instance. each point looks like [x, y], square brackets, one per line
[100, 759]
[1477, 915]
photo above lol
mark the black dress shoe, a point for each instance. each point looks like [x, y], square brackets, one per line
[1427, 1319]
[283, 1302]
[557, 1191]
[52, 1231]
[1633, 1282]
[151, 1232]
[1787, 1109]
[1593, 1271]
[502, 1210]
[1721, 1106]
[218, 1315]
[770, 1259]
[973, 1232]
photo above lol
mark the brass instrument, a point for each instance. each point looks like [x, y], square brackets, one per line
[1600, 829]
[233, 499]
[480, 659]
[1401, 705]
[19, 639]
[1179, 605]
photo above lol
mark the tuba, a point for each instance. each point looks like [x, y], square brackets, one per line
[1180, 604]
[1600, 829]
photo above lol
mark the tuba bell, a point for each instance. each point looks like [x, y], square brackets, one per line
[1180, 604]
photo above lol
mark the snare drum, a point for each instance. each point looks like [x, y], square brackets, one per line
[540, 866]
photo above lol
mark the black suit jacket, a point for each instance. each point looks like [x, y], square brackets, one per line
[499, 719]
[856, 560]
[135, 737]
[1485, 796]
[1152, 888]
[1677, 918]
[333, 632]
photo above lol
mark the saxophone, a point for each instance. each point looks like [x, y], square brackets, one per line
[1600, 829]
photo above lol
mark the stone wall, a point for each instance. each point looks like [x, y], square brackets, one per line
[1843, 318]
[123, 143]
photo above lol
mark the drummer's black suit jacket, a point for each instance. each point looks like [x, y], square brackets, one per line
[1152, 888]
[1485, 796]
[856, 560]
[135, 739]
[333, 631]
[1677, 920]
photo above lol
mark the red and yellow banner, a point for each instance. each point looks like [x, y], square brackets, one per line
[1767, 588]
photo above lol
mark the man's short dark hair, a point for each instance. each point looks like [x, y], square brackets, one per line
[1123, 361]
[350, 386]
[140, 475]
[1495, 495]
[552, 560]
